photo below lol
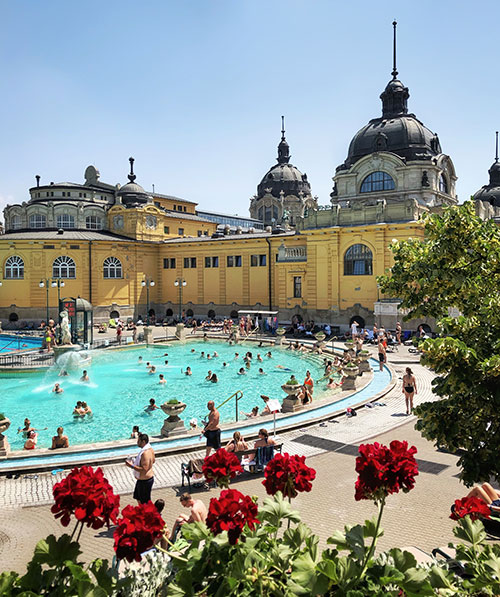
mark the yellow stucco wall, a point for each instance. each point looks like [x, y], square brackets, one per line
[324, 285]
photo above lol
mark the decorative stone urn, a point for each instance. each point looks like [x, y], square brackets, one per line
[173, 425]
[280, 332]
[364, 365]
[291, 403]
[4, 444]
[349, 382]
[320, 336]
[349, 345]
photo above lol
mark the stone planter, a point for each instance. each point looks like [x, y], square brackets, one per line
[349, 345]
[173, 425]
[148, 335]
[349, 382]
[320, 336]
[4, 444]
[180, 332]
[291, 403]
[364, 365]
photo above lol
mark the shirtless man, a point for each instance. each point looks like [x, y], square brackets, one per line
[57, 389]
[60, 440]
[212, 429]
[142, 465]
[85, 378]
[162, 379]
[198, 512]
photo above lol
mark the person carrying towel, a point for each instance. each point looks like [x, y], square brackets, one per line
[142, 466]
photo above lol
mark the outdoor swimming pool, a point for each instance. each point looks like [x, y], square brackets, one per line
[10, 342]
[120, 389]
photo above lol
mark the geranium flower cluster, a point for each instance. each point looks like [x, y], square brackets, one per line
[222, 466]
[384, 470]
[231, 512]
[470, 506]
[88, 496]
[137, 531]
[288, 474]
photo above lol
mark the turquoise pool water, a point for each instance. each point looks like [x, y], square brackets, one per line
[10, 342]
[120, 389]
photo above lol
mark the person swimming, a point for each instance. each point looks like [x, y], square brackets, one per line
[79, 411]
[139, 361]
[242, 371]
[269, 355]
[162, 379]
[282, 368]
[188, 371]
[152, 371]
[261, 371]
[214, 378]
[85, 378]
[57, 389]
[63, 373]
[209, 376]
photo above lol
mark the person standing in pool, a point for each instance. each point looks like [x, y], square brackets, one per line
[212, 429]
[85, 378]
[162, 379]
[409, 389]
[142, 465]
[57, 389]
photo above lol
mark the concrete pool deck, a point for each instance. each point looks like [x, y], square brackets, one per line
[419, 518]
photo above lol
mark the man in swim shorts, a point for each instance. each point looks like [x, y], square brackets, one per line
[212, 429]
[142, 465]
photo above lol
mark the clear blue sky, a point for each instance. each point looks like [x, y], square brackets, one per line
[194, 90]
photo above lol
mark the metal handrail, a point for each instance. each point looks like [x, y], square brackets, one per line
[237, 399]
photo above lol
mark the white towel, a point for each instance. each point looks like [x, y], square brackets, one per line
[137, 459]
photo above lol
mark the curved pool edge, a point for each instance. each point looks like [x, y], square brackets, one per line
[115, 451]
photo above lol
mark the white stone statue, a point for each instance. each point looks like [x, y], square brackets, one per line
[65, 333]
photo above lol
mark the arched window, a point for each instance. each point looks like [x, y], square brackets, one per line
[64, 267]
[93, 223]
[14, 268]
[358, 261]
[377, 181]
[261, 213]
[443, 184]
[15, 222]
[37, 221]
[65, 221]
[112, 268]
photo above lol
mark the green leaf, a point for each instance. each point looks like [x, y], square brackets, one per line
[403, 560]
[470, 531]
[276, 509]
[441, 578]
[7, 581]
[356, 541]
[339, 539]
[54, 552]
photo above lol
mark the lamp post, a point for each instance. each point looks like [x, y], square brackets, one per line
[55, 283]
[58, 283]
[147, 283]
[180, 282]
[45, 284]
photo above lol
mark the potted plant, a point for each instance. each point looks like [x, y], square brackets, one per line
[349, 344]
[320, 336]
[351, 369]
[173, 407]
[280, 331]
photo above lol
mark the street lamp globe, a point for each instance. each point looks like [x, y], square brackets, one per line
[151, 283]
[54, 284]
[62, 284]
[143, 283]
[176, 283]
[184, 282]
[41, 284]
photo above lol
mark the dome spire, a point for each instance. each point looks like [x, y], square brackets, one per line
[395, 95]
[394, 69]
[131, 176]
[494, 171]
[283, 147]
[496, 147]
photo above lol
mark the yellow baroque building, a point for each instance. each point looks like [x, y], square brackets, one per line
[128, 251]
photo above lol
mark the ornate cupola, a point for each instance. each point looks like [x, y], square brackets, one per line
[132, 194]
[284, 193]
[490, 193]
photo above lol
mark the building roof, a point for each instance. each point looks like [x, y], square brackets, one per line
[172, 198]
[182, 215]
[228, 237]
[65, 235]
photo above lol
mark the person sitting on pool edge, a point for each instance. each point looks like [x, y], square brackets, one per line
[60, 440]
[254, 413]
[135, 432]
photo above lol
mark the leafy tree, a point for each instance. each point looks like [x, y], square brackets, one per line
[457, 265]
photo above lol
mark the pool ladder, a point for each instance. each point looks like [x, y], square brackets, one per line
[238, 395]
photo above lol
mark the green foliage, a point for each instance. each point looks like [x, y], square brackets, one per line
[457, 265]
[173, 401]
[2, 416]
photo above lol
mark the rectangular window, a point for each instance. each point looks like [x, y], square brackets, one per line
[181, 231]
[230, 261]
[157, 204]
[237, 261]
[234, 261]
[254, 260]
[185, 208]
[215, 262]
[200, 232]
[186, 262]
[297, 287]
[211, 262]
[169, 263]
[193, 262]
[74, 246]
[208, 262]
[166, 229]
[262, 260]
[48, 246]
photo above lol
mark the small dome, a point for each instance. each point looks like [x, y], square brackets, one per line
[132, 194]
[491, 191]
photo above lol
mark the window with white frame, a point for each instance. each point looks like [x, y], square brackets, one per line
[64, 267]
[65, 221]
[14, 268]
[112, 268]
[37, 221]
[93, 223]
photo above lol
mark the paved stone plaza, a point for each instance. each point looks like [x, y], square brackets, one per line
[420, 518]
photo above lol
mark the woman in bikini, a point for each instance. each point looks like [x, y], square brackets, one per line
[237, 444]
[409, 389]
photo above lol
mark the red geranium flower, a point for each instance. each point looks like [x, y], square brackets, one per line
[384, 470]
[470, 506]
[222, 466]
[137, 531]
[231, 512]
[288, 474]
[88, 495]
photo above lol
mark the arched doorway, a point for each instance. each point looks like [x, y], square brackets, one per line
[211, 314]
[151, 313]
[234, 314]
[169, 313]
[189, 313]
[360, 321]
[13, 317]
[114, 315]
